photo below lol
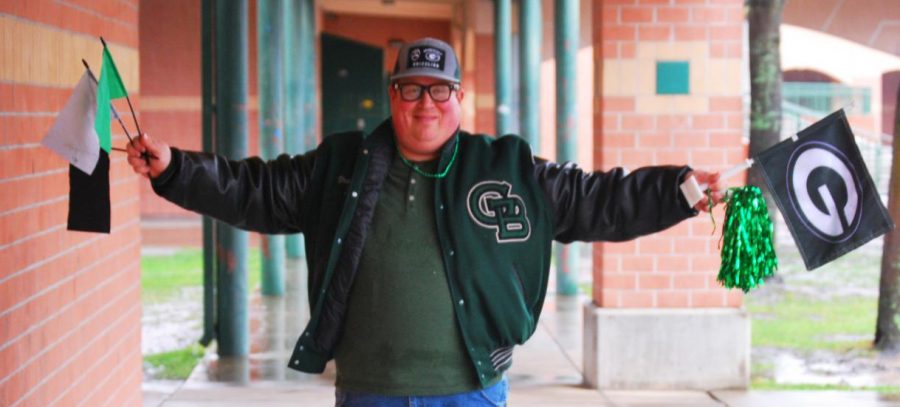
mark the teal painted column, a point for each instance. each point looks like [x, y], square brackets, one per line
[309, 129]
[530, 72]
[231, 141]
[310, 81]
[208, 115]
[270, 79]
[294, 117]
[502, 67]
[565, 27]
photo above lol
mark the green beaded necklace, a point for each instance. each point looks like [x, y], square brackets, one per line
[439, 175]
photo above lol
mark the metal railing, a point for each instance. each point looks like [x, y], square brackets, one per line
[828, 97]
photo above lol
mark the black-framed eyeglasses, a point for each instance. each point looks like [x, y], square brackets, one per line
[439, 92]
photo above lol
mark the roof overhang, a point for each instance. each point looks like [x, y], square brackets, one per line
[430, 9]
[873, 23]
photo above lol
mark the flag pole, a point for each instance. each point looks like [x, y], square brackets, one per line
[128, 99]
[125, 151]
[133, 116]
[113, 108]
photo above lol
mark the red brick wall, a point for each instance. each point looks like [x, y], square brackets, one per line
[69, 301]
[676, 268]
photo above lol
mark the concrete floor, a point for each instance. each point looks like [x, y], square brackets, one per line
[546, 371]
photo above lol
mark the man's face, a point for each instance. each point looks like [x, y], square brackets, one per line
[423, 126]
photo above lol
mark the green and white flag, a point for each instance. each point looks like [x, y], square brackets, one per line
[110, 87]
[73, 135]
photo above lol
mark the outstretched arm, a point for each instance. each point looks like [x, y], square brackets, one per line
[615, 205]
[250, 194]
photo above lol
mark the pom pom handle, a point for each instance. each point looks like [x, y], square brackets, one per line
[694, 191]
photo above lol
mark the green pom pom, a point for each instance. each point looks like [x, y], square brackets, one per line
[748, 255]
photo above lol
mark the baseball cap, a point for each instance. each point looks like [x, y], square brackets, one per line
[426, 57]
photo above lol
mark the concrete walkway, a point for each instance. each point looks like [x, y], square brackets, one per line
[546, 372]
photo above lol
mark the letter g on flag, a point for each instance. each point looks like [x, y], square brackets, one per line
[492, 205]
[825, 190]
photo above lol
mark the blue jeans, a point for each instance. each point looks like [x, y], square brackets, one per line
[494, 396]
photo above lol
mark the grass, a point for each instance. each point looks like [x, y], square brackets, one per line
[176, 364]
[805, 325]
[769, 384]
[825, 315]
[832, 308]
[163, 276]
[586, 288]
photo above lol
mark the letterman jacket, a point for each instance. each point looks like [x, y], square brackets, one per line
[497, 212]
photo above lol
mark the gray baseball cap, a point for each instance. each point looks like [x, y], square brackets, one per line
[426, 57]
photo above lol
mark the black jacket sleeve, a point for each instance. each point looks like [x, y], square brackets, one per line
[613, 205]
[250, 194]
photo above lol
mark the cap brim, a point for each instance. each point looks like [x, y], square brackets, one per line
[426, 73]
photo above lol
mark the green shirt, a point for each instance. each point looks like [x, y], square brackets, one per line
[401, 336]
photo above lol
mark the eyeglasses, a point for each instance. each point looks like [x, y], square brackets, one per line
[439, 92]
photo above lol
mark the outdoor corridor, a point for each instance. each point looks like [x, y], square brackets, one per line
[546, 371]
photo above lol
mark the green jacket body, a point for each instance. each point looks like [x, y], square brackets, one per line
[497, 210]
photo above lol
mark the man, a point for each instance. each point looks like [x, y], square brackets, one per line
[428, 247]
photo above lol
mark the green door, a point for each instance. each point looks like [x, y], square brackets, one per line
[354, 85]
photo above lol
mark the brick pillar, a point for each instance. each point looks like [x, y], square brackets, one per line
[668, 92]
[70, 310]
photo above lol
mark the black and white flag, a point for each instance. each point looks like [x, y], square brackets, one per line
[824, 191]
[74, 138]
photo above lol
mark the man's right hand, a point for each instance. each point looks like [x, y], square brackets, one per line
[158, 152]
